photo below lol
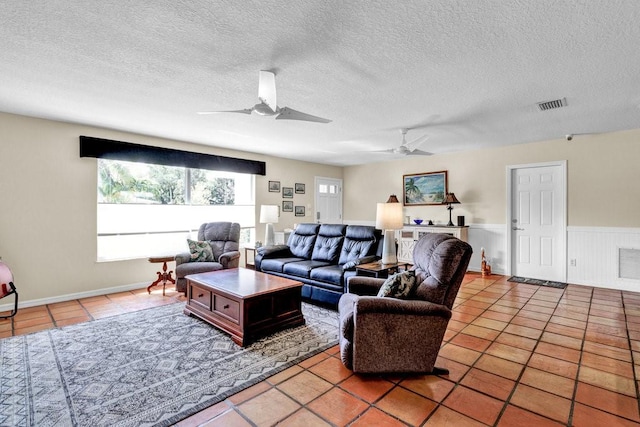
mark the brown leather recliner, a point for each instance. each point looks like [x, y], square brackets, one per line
[384, 334]
[224, 238]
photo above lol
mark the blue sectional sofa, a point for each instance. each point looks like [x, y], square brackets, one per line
[322, 257]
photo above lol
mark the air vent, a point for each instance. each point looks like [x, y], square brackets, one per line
[629, 263]
[550, 105]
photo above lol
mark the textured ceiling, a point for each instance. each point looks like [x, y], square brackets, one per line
[466, 73]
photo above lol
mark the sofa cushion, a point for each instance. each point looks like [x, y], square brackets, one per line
[222, 236]
[399, 285]
[359, 241]
[302, 268]
[277, 264]
[302, 240]
[330, 273]
[197, 267]
[200, 251]
[328, 243]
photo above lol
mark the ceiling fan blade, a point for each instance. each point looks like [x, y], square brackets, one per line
[287, 113]
[419, 153]
[267, 89]
[413, 144]
[245, 111]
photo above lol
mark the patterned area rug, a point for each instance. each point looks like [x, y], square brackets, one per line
[149, 368]
[538, 282]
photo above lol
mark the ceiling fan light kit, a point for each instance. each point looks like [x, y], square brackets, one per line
[268, 105]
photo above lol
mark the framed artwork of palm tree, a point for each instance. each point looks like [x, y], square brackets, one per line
[428, 188]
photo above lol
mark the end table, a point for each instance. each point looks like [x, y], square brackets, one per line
[163, 276]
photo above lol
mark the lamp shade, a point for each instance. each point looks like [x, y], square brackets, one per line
[268, 214]
[389, 215]
[451, 199]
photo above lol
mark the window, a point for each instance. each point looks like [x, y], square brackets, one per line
[146, 209]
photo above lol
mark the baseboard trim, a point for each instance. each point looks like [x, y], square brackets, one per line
[70, 297]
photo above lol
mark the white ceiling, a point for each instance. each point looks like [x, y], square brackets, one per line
[466, 73]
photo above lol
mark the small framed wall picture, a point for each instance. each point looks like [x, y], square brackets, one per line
[287, 206]
[299, 188]
[274, 186]
[299, 210]
[287, 192]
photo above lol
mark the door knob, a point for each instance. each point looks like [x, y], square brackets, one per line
[516, 228]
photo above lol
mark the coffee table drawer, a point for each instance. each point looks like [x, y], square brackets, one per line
[226, 307]
[201, 297]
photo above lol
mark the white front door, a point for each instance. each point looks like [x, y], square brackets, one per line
[537, 221]
[328, 201]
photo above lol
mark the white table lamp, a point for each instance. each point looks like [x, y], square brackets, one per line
[268, 216]
[389, 218]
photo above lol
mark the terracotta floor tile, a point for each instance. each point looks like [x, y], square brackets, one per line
[480, 332]
[554, 366]
[72, 321]
[561, 340]
[304, 387]
[432, 387]
[227, 419]
[249, 393]
[499, 366]
[504, 351]
[490, 324]
[35, 321]
[407, 406]
[485, 409]
[338, 407]
[471, 342]
[542, 403]
[503, 309]
[608, 401]
[313, 360]
[456, 370]
[204, 415]
[331, 369]
[373, 417]
[6, 334]
[69, 314]
[607, 339]
[607, 364]
[367, 388]
[445, 417]
[304, 417]
[459, 354]
[607, 380]
[268, 408]
[523, 331]
[502, 317]
[473, 311]
[518, 417]
[555, 384]
[284, 375]
[31, 329]
[607, 350]
[516, 341]
[585, 416]
[488, 383]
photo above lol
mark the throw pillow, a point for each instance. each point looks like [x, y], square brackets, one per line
[200, 251]
[399, 285]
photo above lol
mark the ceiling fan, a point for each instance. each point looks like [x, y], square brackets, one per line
[408, 148]
[268, 106]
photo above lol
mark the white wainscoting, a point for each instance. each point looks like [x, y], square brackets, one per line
[491, 237]
[596, 250]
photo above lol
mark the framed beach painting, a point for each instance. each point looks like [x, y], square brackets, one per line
[427, 188]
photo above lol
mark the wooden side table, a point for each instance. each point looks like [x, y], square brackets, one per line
[250, 265]
[163, 276]
[378, 269]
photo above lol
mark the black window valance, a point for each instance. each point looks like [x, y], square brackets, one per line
[117, 150]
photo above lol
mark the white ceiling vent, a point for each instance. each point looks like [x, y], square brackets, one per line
[550, 105]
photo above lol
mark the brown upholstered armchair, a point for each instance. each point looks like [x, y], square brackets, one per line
[384, 334]
[223, 238]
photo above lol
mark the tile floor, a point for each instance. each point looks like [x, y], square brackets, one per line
[518, 355]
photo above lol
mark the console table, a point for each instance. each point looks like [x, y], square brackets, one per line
[410, 234]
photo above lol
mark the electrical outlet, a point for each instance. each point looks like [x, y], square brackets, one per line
[572, 262]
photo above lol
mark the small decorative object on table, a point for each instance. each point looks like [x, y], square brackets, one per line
[163, 276]
[417, 221]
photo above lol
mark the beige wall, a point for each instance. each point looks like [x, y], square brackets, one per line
[603, 181]
[48, 206]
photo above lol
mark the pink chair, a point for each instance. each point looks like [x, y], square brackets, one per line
[7, 288]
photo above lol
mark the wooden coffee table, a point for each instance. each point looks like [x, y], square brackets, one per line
[246, 304]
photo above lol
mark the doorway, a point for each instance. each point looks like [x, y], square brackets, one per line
[328, 200]
[537, 220]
